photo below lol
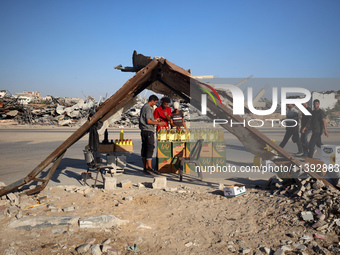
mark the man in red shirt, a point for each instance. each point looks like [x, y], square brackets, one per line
[163, 112]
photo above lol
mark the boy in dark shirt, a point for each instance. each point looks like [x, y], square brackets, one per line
[318, 124]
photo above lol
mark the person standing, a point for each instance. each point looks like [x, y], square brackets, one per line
[94, 137]
[304, 136]
[163, 112]
[317, 123]
[146, 125]
[177, 118]
[291, 130]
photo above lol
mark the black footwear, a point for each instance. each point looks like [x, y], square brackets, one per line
[299, 154]
[154, 171]
[147, 171]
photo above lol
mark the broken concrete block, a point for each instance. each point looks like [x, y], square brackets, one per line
[13, 198]
[306, 216]
[321, 216]
[140, 185]
[106, 247]
[126, 184]
[101, 221]
[83, 248]
[188, 244]
[110, 183]
[68, 209]
[113, 251]
[279, 252]
[43, 221]
[245, 251]
[107, 241]
[159, 182]
[266, 250]
[95, 249]
[318, 184]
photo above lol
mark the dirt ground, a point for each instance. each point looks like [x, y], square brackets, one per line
[178, 221]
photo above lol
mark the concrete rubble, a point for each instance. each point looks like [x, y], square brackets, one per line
[74, 113]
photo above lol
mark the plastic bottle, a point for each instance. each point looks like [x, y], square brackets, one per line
[116, 142]
[188, 133]
[120, 142]
[131, 142]
[121, 134]
[163, 135]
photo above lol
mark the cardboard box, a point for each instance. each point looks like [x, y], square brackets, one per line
[234, 191]
[330, 154]
[178, 149]
[164, 165]
[206, 163]
[164, 150]
[189, 167]
[188, 147]
[219, 163]
[206, 150]
[106, 147]
[123, 148]
[219, 149]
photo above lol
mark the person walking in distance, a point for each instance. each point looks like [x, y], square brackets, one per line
[292, 129]
[317, 123]
[304, 136]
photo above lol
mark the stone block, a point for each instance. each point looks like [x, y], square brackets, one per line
[101, 221]
[68, 209]
[43, 221]
[95, 249]
[126, 184]
[83, 248]
[110, 183]
[159, 182]
[13, 198]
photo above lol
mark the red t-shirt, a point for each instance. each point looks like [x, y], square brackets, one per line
[159, 113]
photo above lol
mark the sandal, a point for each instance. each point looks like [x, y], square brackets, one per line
[146, 171]
[154, 171]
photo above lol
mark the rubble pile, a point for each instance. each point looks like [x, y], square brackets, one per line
[75, 114]
[321, 202]
[54, 113]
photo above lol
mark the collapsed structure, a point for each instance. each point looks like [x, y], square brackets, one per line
[162, 76]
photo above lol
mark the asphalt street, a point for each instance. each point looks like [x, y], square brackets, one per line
[23, 148]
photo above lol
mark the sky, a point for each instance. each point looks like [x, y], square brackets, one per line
[66, 47]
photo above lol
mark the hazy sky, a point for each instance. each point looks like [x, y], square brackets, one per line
[63, 47]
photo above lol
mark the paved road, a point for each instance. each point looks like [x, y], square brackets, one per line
[23, 148]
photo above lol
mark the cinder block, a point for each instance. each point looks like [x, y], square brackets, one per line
[126, 184]
[159, 182]
[110, 183]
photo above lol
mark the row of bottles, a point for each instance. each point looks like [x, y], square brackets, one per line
[124, 142]
[191, 134]
[121, 141]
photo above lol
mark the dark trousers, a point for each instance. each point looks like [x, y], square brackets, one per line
[304, 141]
[294, 133]
[148, 144]
[314, 140]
